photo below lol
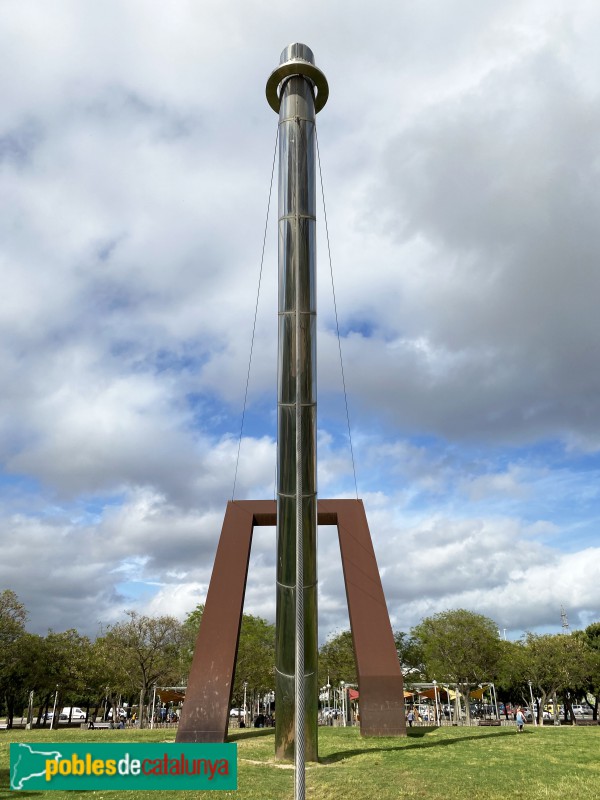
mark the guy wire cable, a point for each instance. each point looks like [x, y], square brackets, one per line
[337, 326]
[262, 259]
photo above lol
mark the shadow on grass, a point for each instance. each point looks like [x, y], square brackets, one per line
[420, 745]
[5, 782]
[251, 733]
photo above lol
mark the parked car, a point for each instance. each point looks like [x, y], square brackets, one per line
[326, 712]
[121, 713]
[76, 714]
[545, 714]
[579, 711]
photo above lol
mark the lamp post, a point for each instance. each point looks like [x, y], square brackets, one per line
[533, 714]
[153, 708]
[54, 709]
[437, 708]
[30, 711]
[494, 699]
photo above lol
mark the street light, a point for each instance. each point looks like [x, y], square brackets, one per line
[54, 709]
[153, 708]
[437, 708]
[533, 714]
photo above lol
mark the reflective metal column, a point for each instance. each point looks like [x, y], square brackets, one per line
[297, 90]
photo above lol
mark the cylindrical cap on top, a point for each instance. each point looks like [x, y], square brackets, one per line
[297, 59]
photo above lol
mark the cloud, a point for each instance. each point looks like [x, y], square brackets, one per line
[459, 162]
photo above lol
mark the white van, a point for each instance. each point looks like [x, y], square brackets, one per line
[76, 715]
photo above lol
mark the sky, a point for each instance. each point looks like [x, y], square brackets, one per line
[460, 165]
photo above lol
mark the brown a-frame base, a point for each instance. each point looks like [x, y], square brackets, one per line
[205, 713]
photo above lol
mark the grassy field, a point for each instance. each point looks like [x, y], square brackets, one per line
[430, 764]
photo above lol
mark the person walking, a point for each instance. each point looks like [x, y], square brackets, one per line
[520, 718]
[410, 718]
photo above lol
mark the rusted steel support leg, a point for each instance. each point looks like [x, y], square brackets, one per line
[379, 675]
[205, 713]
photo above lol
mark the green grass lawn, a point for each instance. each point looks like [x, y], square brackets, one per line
[433, 764]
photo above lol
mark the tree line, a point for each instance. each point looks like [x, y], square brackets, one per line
[464, 649]
[129, 658]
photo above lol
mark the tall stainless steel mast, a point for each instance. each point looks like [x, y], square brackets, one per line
[297, 90]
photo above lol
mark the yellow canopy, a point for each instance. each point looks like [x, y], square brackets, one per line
[430, 693]
[478, 693]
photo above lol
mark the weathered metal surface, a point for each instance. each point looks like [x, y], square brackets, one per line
[379, 675]
[205, 713]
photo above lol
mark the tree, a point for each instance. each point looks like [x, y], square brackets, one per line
[12, 617]
[255, 663]
[148, 648]
[189, 635]
[62, 664]
[410, 653]
[592, 639]
[557, 664]
[12, 631]
[459, 647]
[512, 675]
[336, 660]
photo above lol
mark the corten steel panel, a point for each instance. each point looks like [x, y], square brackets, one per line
[205, 712]
[379, 675]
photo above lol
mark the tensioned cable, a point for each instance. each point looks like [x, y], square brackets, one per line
[337, 326]
[262, 260]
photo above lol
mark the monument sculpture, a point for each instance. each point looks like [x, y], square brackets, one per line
[297, 90]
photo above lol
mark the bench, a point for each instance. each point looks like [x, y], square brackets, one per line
[490, 722]
[94, 726]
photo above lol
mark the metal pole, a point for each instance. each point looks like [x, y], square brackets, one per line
[495, 700]
[30, 710]
[297, 90]
[54, 709]
[153, 707]
[449, 704]
[533, 709]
